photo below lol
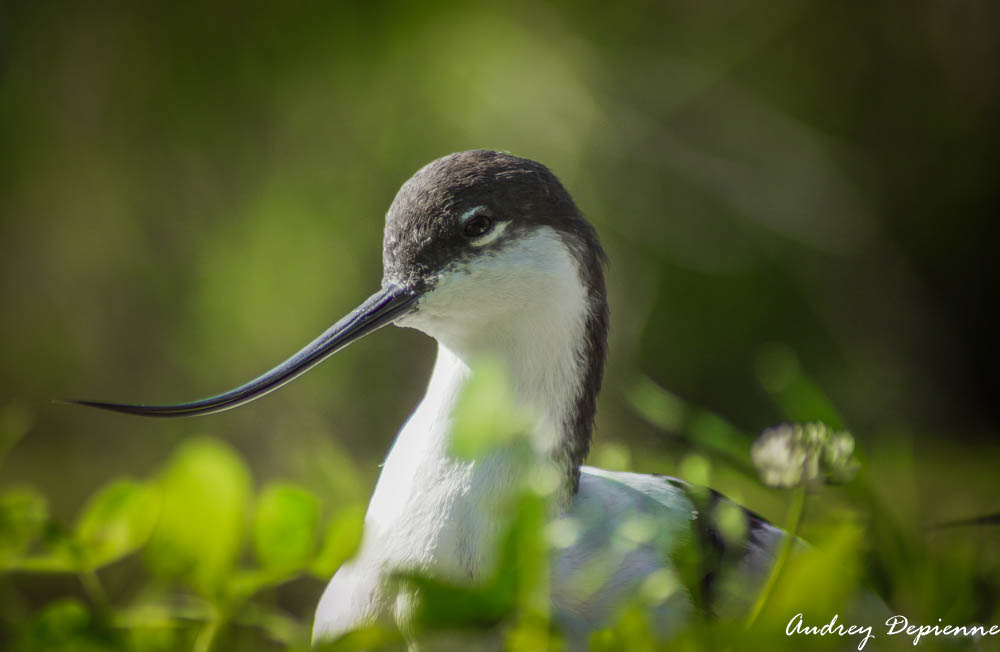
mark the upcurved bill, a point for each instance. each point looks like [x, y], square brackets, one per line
[380, 309]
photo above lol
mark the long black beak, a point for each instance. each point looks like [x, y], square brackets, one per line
[378, 310]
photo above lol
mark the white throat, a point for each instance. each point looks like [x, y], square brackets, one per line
[527, 305]
[431, 511]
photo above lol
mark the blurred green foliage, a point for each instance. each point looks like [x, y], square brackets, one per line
[194, 521]
[797, 200]
[215, 552]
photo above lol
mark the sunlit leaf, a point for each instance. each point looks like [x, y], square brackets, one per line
[834, 564]
[285, 523]
[486, 417]
[58, 552]
[519, 582]
[206, 491]
[610, 455]
[703, 428]
[630, 630]
[370, 637]
[151, 639]
[62, 625]
[446, 604]
[711, 432]
[696, 469]
[23, 513]
[341, 541]
[657, 405]
[326, 459]
[281, 627]
[155, 627]
[242, 584]
[61, 561]
[116, 521]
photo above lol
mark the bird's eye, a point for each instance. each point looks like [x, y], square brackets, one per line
[477, 226]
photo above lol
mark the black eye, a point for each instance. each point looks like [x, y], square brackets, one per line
[478, 225]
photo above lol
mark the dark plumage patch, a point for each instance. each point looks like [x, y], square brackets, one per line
[711, 553]
[423, 235]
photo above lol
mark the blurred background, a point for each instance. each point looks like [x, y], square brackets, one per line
[799, 202]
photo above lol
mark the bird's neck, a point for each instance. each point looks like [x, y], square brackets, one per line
[440, 508]
[434, 509]
[553, 351]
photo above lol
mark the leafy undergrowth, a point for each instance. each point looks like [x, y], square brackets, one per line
[191, 527]
[206, 550]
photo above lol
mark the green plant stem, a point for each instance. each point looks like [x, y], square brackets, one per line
[94, 589]
[208, 633]
[279, 626]
[791, 528]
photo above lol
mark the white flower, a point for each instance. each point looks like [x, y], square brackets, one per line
[789, 455]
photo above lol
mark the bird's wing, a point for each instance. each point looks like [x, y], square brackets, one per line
[720, 551]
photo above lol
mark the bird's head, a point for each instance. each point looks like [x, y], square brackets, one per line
[481, 249]
[488, 241]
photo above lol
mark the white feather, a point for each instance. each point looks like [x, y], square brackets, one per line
[433, 512]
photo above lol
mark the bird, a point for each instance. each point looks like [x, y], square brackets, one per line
[488, 254]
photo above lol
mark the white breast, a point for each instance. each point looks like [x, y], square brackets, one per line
[432, 512]
[429, 510]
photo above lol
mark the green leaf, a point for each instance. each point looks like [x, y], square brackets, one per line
[116, 521]
[61, 561]
[242, 584]
[280, 627]
[205, 496]
[285, 525]
[61, 625]
[341, 541]
[366, 637]
[23, 514]
[657, 405]
[518, 583]
[486, 417]
[59, 553]
[445, 604]
[835, 563]
[629, 630]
